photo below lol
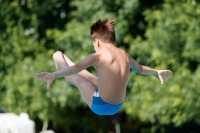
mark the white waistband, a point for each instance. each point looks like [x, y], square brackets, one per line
[96, 94]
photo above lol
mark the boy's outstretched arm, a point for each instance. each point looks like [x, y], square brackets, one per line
[50, 77]
[160, 74]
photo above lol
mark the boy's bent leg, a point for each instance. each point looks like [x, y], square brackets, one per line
[86, 87]
[84, 73]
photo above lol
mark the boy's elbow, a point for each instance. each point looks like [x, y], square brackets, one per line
[77, 69]
[139, 71]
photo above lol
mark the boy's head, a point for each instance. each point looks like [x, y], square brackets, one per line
[103, 30]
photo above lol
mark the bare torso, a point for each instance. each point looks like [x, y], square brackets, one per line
[113, 73]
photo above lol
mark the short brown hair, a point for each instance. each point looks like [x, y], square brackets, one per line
[103, 30]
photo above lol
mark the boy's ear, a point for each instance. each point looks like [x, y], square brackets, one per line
[97, 42]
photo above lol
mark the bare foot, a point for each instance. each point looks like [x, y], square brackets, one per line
[67, 60]
[59, 60]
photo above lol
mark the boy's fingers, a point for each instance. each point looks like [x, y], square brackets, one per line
[44, 76]
[161, 81]
[168, 73]
[48, 85]
[40, 75]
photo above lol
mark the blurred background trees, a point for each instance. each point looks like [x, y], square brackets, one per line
[162, 34]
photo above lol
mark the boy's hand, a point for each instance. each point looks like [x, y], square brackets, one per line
[163, 74]
[47, 77]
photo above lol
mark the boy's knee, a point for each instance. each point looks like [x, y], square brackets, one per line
[56, 53]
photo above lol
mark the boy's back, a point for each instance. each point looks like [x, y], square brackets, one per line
[113, 73]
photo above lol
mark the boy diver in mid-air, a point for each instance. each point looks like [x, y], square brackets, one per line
[106, 92]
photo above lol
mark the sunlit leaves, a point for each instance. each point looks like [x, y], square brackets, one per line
[162, 36]
[173, 43]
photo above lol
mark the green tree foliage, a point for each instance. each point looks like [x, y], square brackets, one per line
[172, 42]
[160, 34]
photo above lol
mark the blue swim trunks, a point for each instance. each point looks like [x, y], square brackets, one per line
[100, 107]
